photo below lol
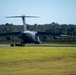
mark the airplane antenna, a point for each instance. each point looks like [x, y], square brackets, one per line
[23, 20]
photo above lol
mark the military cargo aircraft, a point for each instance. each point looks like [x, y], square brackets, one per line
[27, 36]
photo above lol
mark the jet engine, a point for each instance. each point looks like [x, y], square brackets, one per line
[55, 37]
[8, 38]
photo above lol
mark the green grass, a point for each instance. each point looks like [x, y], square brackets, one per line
[37, 60]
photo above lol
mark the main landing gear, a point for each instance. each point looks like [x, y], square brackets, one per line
[22, 45]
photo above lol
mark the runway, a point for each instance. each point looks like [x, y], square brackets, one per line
[4, 44]
[19, 45]
[41, 45]
[29, 45]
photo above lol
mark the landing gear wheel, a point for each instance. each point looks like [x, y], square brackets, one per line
[12, 45]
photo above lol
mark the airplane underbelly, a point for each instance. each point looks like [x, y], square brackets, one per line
[28, 38]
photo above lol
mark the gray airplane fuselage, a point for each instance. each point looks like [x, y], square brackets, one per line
[29, 37]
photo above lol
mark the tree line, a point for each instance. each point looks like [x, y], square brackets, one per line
[67, 29]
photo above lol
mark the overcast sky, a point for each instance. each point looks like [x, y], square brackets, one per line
[60, 11]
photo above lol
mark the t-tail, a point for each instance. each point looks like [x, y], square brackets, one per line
[23, 20]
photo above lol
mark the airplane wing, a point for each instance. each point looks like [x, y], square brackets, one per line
[55, 35]
[10, 35]
[47, 34]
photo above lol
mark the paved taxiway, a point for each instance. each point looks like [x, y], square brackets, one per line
[43, 45]
[4, 44]
[27, 45]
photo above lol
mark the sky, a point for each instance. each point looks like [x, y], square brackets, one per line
[59, 11]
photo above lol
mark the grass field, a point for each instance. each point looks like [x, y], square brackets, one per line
[38, 60]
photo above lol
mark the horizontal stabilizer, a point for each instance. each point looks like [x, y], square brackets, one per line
[23, 20]
[22, 16]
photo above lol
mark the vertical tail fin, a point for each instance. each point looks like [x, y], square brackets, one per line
[24, 24]
[23, 20]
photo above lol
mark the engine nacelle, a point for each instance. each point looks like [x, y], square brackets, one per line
[55, 37]
[8, 38]
[45, 37]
